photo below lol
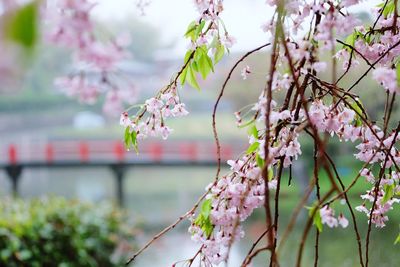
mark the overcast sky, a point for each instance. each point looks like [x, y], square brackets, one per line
[242, 17]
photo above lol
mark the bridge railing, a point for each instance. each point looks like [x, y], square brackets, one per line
[14, 158]
[112, 150]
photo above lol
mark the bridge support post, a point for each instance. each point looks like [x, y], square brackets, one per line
[119, 174]
[14, 173]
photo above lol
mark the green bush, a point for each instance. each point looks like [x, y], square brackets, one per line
[58, 232]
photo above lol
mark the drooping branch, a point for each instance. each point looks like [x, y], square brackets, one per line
[221, 93]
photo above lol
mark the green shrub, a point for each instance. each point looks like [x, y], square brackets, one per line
[58, 232]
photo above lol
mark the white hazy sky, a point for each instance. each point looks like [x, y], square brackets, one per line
[242, 17]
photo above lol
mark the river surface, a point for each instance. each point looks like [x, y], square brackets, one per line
[157, 196]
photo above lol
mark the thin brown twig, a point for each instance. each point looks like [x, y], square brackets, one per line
[167, 229]
[295, 214]
[355, 50]
[255, 244]
[268, 94]
[376, 189]
[353, 217]
[308, 227]
[316, 177]
[214, 123]
[250, 257]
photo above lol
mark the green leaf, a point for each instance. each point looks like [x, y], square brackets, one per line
[260, 161]
[187, 56]
[397, 239]
[246, 124]
[253, 147]
[127, 138]
[358, 108]
[22, 25]
[270, 174]
[190, 32]
[199, 220]
[134, 141]
[191, 78]
[204, 63]
[314, 42]
[199, 29]
[199, 53]
[398, 73]
[195, 66]
[389, 9]
[130, 139]
[204, 67]
[209, 62]
[366, 38]
[389, 192]
[253, 131]
[214, 42]
[207, 227]
[206, 208]
[380, 4]
[203, 219]
[350, 40]
[317, 221]
[183, 75]
[219, 54]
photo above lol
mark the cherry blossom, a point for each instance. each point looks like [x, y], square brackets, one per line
[343, 222]
[245, 72]
[327, 217]
[298, 101]
[71, 26]
[387, 78]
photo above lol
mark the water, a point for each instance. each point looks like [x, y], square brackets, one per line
[157, 196]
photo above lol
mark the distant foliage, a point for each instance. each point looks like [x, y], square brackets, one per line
[59, 232]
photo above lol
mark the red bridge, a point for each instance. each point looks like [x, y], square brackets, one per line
[113, 151]
[14, 158]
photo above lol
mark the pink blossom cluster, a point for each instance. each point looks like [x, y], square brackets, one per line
[375, 48]
[96, 61]
[209, 9]
[310, 102]
[373, 147]
[328, 217]
[150, 120]
[285, 145]
[337, 120]
[348, 61]
[376, 149]
[299, 51]
[387, 78]
[72, 27]
[234, 197]
[333, 21]
[297, 11]
[383, 49]
[245, 72]
[212, 34]
[334, 120]
[372, 151]
[383, 203]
